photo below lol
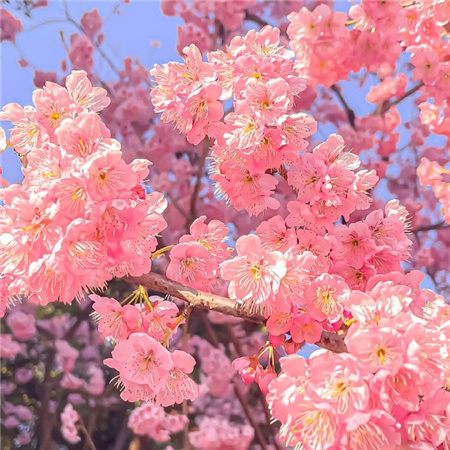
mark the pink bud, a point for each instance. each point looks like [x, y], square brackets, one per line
[275, 341]
[265, 379]
[291, 347]
[248, 375]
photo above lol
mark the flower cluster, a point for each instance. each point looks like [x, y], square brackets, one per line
[151, 420]
[327, 186]
[217, 434]
[306, 257]
[81, 215]
[197, 16]
[431, 173]
[69, 419]
[259, 136]
[142, 329]
[287, 271]
[322, 44]
[388, 390]
[187, 95]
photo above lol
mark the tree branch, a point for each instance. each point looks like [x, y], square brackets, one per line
[254, 18]
[436, 226]
[349, 111]
[212, 302]
[242, 400]
[198, 183]
[387, 105]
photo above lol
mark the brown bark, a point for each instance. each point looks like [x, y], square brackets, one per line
[212, 302]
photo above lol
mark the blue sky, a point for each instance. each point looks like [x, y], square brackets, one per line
[128, 34]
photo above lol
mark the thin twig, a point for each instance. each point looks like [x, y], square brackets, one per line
[254, 18]
[349, 111]
[387, 105]
[46, 22]
[437, 226]
[198, 183]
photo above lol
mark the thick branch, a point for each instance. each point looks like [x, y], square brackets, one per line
[212, 302]
[197, 299]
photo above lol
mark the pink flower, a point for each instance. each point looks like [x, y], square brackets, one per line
[216, 434]
[255, 273]
[40, 78]
[203, 108]
[269, 101]
[160, 320]
[376, 428]
[339, 380]
[114, 321]
[211, 236]
[429, 424]
[298, 272]
[52, 103]
[179, 385]
[82, 136]
[88, 98]
[324, 298]
[91, 23]
[296, 127]
[96, 383]
[274, 235]
[66, 356]
[81, 52]
[151, 420]
[9, 25]
[144, 366]
[376, 348]
[401, 388]
[305, 328]
[354, 243]
[426, 65]
[191, 264]
[279, 322]
[22, 325]
[9, 348]
[69, 418]
[246, 129]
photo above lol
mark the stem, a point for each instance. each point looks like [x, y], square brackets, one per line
[175, 203]
[47, 22]
[89, 441]
[212, 302]
[161, 251]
